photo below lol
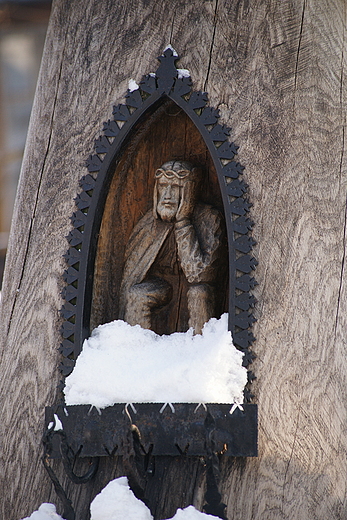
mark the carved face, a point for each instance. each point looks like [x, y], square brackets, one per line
[169, 197]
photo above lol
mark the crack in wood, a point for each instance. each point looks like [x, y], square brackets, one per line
[212, 43]
[345, 220]
[341, 96]
[341, 272]
[341, 75]
[340, 176]
[298, 50]
[172, 28]
[38, 193]
[289, 461]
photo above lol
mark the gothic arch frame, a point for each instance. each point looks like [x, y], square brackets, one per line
[175, 84]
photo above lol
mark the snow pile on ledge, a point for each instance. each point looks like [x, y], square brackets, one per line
[117, 502]
[121, 363]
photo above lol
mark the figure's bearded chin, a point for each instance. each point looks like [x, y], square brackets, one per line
[166, 213]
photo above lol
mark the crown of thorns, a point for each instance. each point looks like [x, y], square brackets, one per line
[179, 174]
[177, 169]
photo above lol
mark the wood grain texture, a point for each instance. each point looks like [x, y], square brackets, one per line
[276, 69]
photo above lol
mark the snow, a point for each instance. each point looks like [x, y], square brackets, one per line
[132, 85]
[172, 49]
[183, 73]
[58, 425]
[117, 502]
[121, 363]
[190, 513]
[45, 512]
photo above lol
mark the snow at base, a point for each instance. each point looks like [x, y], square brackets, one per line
[121, 363]
[190, 513]
[45, 512]
[117, 502]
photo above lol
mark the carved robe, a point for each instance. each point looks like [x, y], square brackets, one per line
[199, 243]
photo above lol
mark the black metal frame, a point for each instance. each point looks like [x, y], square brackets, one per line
[153, 90]
[188, 429]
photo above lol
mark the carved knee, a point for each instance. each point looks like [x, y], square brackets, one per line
[143, 297]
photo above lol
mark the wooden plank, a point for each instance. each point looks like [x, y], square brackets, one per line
[289, 119]
[86, 69]
[276, 70]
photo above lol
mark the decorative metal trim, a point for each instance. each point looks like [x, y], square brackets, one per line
[167, 83]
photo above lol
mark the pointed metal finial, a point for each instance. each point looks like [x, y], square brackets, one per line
[167, 71]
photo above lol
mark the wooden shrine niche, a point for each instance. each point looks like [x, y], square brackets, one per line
[161, 238]
[166, 264]
[139, 270]
[163, 120]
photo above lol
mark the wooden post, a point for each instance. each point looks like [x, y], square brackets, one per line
[276, 70]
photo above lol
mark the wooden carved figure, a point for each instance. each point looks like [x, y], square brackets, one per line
[174, 256]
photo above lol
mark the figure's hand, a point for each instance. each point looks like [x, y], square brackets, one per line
[186, 207]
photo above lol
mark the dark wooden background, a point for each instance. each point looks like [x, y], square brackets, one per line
[167, 134]
[276, 70]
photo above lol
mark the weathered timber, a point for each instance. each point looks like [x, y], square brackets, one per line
[277, 71]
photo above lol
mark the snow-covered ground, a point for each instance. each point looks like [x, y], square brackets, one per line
[117, 502]
[121, 363]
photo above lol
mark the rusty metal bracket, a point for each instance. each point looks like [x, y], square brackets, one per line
[151, 429]
[90, 432]
[48, 439]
